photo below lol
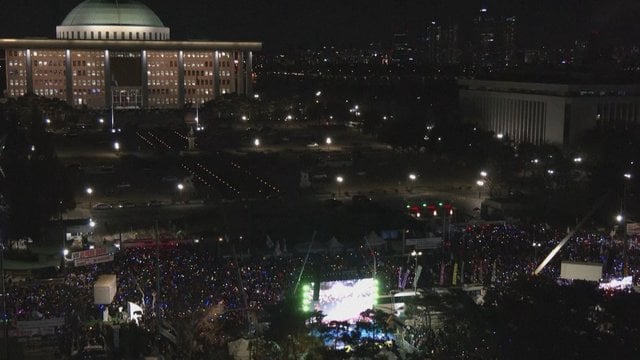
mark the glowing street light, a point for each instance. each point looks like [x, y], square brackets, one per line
[116, 146]
[627, 176]
[500, 136]
[483, 174]
[415, 255]
[339, 181]
[412, 179]
[328, 141]
[619, 218]
[89, 192]
[65, 252]
[92, 223]
[480, 184]
[535, 245]
[256, 142]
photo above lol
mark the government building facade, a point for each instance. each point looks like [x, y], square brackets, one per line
[118, 54]
[543, 113]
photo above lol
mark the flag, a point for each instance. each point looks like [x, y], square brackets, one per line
[417, 276]
[455, 274]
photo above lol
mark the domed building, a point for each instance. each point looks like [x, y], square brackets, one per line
[118, 54]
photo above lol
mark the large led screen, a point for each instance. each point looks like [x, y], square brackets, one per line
[344, 300]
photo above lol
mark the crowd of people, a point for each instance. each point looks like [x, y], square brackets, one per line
[193, 280]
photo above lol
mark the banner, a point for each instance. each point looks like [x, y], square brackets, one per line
[93, 260]
[633, 228]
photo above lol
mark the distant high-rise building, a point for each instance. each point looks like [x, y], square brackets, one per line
[441, 42]
[401, 51]
[509, 39]
[494, 40]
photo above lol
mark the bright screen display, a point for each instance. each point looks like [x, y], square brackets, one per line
[344, 300]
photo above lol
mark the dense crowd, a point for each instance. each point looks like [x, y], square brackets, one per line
[193, 280]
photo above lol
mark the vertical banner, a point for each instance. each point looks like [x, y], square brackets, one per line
[415, 278]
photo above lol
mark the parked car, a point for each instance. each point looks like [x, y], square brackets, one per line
[102, 206]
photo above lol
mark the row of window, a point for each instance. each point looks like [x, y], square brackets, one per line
[198, 82]
[162, 64]
[49, 92]
[152, 54]
[76, 63]
[13, 63]
[48, 63]
[162, 73]
[198, 91]
[84, 82]
[162, 91]
[97, 35]
[90, 91]
[163, 101]
[20, 82]
[92, 73]
[162, 82]
[16, 92]
[49, 83]
[48, 54]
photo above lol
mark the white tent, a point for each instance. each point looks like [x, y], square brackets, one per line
[335, 246]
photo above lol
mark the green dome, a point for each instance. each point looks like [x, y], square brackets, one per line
[112, 12]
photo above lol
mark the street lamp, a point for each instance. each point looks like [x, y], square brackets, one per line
[92, 223]
[116, 146]
[483, 174]
[89, 192]
[339, 180]
[535, 245]
[412, 179]
[619, 218]
[415, 255]
[480, 184]
[328, 141]
[180, 188]
[256, 142]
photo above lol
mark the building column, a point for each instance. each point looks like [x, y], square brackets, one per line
[68, 72]
[248, 72]
[216, 73]
[181, 79]
[214, 70]
[108, 96]
[29, 72]
[238, 63]
[144, 79]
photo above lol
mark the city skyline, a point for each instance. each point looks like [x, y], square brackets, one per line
[287, 23]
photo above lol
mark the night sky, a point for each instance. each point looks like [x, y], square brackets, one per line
[291, 23]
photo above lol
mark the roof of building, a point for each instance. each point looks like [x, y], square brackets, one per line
[112, 12]
[129, 44]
